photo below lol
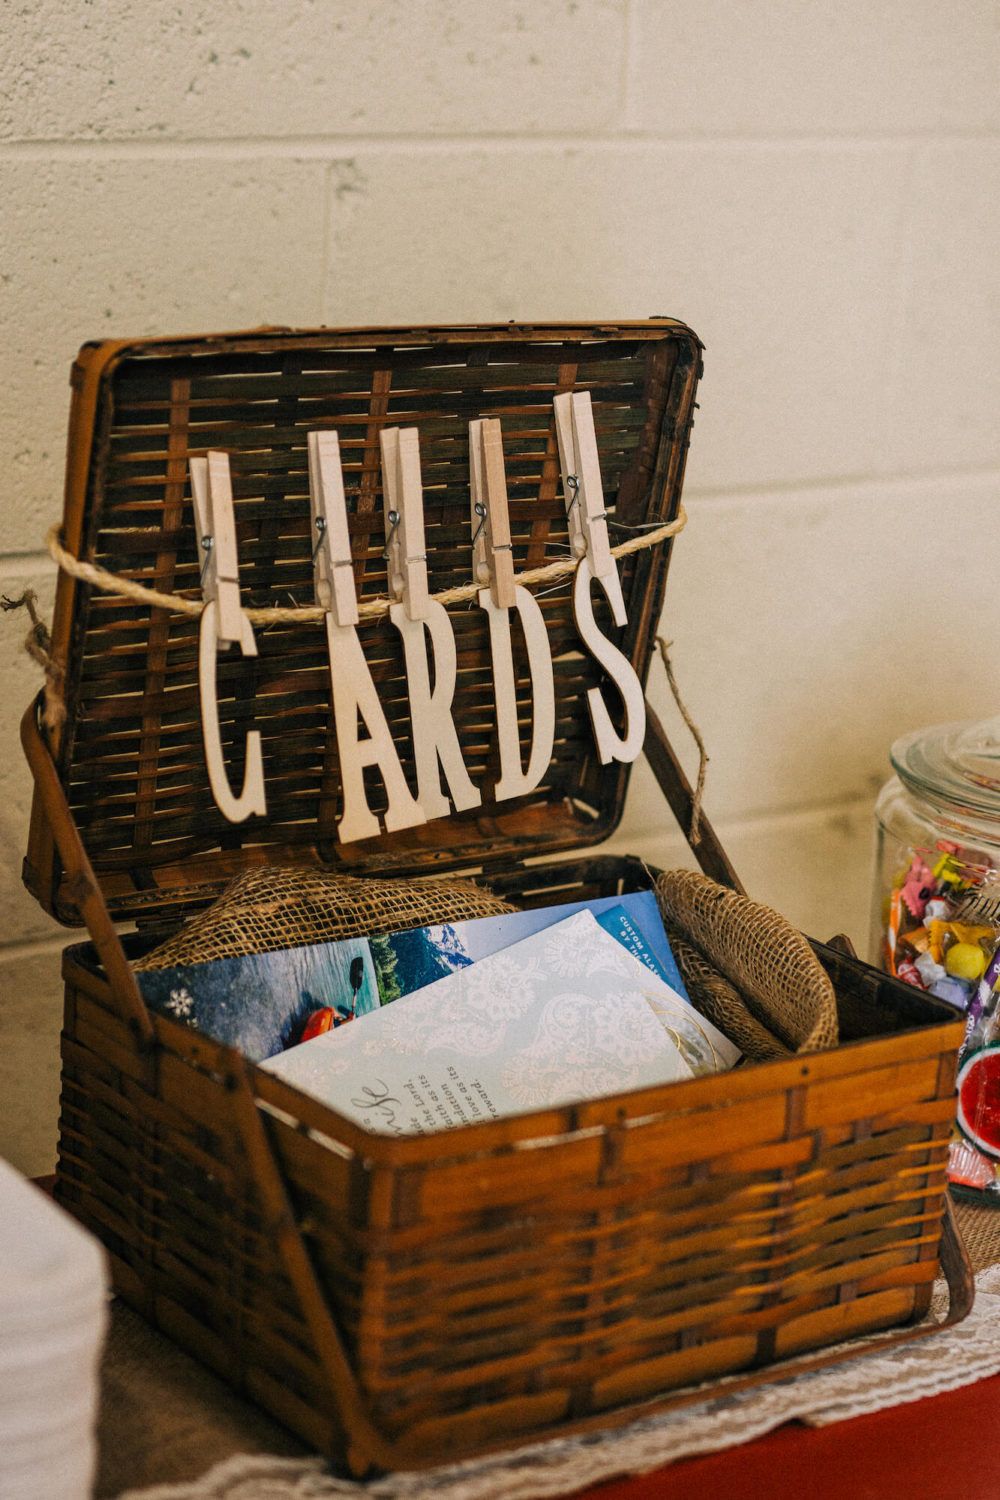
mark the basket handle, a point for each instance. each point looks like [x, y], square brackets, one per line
[677, 789]
[957, 1268]
[366, 1445]
[83, 887]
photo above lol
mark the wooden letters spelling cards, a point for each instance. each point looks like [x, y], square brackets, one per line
[423, 624]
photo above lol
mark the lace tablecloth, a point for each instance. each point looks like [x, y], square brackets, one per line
[163, 1416]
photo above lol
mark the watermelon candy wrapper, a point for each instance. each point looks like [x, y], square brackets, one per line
[974, 1157]
[969, 1169]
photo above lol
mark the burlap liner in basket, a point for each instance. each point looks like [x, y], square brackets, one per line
[285, 907]
[747, 969]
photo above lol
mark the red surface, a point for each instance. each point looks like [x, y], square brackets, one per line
[944, 1448]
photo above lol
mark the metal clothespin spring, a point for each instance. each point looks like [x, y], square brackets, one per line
[392, 517]
[573, 483]
[480, 510]
[321, 530]
[207, 543]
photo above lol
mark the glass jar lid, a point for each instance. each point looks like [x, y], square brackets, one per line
[953, 766]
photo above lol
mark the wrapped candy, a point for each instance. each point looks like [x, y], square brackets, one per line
[974, 1161]
[926, 944]
[936, 912]
[917, 888]
[942, 935]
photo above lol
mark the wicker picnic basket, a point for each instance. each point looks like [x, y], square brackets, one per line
[401, 1300]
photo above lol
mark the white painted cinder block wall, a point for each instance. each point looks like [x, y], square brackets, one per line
[811, 184]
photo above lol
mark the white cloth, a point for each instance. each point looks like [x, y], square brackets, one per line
[941, 1362]
[53, 1317]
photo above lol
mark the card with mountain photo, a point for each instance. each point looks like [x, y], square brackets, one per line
[263, 1003]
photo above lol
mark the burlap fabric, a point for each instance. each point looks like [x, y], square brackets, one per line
[286, 907]
[747, 969]
[722, 1003]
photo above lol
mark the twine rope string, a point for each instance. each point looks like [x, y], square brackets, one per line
[694, 832]
[127, 588]
[38, 645]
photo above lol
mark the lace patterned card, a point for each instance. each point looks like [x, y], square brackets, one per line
[567, 1014]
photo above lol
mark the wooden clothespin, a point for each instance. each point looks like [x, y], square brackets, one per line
[581, 477]
[492, 552]
[405, 550]
[225, 625]
[333, 565]
[215, 524]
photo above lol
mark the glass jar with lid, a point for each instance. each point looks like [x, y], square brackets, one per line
[936, 912]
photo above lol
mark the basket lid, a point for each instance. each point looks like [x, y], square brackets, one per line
[130, 753]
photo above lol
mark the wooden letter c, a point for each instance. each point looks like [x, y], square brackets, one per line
[252, 799]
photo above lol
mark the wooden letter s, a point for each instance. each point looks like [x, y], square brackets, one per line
[610, 744]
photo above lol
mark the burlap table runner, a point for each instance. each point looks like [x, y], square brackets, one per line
[168, 1424]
